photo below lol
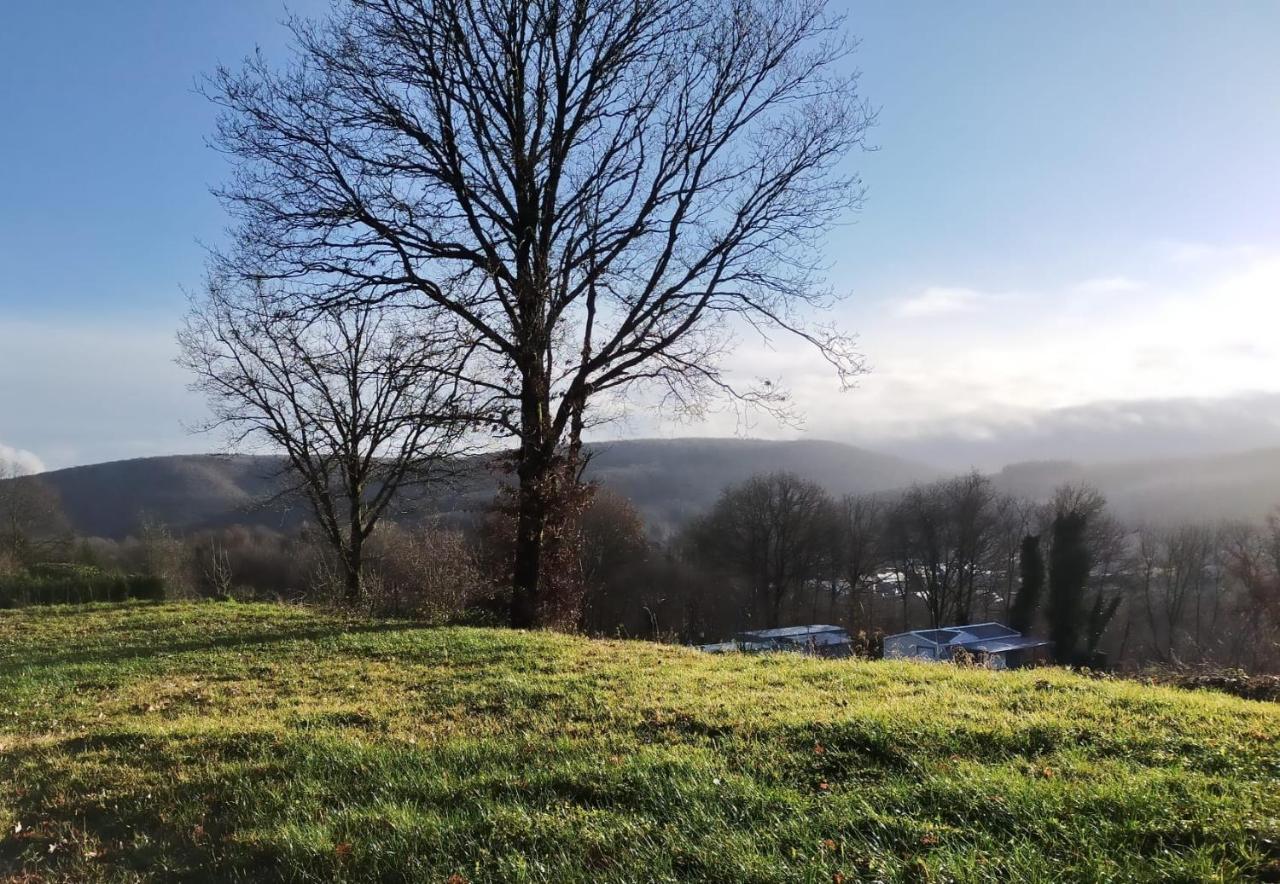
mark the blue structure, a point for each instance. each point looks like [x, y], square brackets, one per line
[818, 640]
[993, 643]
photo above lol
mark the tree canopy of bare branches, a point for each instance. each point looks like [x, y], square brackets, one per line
[600, 191]
[31, 518]
[772, 532]
[358, 401]
[939, 537]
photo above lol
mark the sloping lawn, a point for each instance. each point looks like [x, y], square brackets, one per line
[215, 741]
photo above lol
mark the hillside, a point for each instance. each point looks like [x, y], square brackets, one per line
[668, 480]
[199, 740]
[184, 492]
[1243, 485]
[673, 479]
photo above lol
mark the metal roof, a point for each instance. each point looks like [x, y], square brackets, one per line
[791, 632]
[829, 638]
[988, 630]
[1000, 645]
[936, 636]
[975, 636]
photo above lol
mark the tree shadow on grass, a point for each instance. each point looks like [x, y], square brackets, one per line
[202, 807]
[124, 804]
[126, 652]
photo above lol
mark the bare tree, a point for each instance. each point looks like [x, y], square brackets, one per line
[157, 553]
[857, 553]
[1176, 566]
[1015, 519]
[600, 191]
[769, 531]
[1253, 556]
[940, 537]
[426, 570]
[610, 549]
[360, 403]
[31, 519]
[973, 507]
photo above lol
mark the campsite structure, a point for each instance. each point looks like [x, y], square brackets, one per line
[992, 643]
[819, 640]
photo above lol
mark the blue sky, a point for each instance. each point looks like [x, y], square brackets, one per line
[1072, 203]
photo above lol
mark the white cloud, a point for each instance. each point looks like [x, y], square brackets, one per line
[963, 376]
[1061, 349]
[1181, 252]
[941, 301]
[25, 462]
[1107, 285]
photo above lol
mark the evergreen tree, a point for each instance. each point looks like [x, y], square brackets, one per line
[1022, 615]
[1068, 573]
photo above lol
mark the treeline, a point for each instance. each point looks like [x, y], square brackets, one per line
[773, 550]
[426, 571]
[409, 568]
[778, 549]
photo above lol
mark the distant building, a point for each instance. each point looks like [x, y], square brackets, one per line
[993, 643]
[818, 640]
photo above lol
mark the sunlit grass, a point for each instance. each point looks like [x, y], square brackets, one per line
[222, 740]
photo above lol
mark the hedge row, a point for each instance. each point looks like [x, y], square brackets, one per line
[75, 585]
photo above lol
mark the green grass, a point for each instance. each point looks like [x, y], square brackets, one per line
[257, 742]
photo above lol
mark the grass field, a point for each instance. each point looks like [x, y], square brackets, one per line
[255, 742]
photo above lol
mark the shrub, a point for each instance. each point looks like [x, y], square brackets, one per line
[426, 572]
[253, 563]
[65, 583]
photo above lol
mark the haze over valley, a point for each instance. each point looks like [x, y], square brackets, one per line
[669, 480]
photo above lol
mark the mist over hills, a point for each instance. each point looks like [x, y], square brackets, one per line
[670, 480]
[1120, 432]
[1228, 486]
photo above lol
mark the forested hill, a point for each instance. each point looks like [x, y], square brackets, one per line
[669, 480]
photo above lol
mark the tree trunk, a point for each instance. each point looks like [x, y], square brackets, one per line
[533, 505]
[353, 568]
[526, 581]
[533, 463]
[354, 585]
[871, 590]
[355, 550]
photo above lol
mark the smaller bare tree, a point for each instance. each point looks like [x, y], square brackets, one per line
[360, 403]
[768, 532]
[32, 523]
[1252, 554]
[858, 553]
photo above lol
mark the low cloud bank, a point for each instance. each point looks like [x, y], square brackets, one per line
[1102, 431]
[19, 460]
